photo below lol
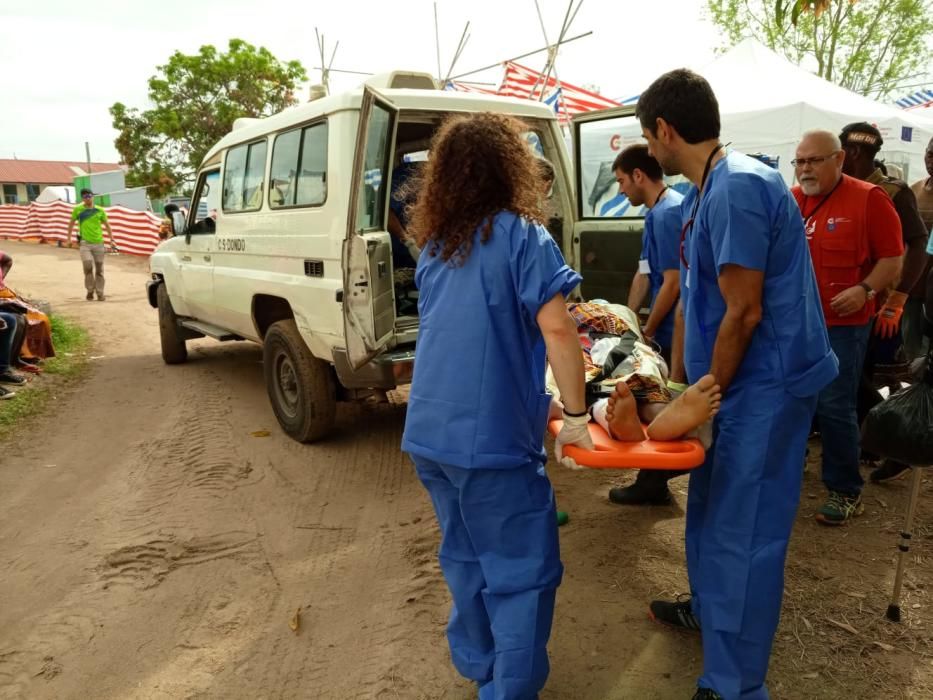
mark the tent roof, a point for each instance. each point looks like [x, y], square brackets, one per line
[751, 77]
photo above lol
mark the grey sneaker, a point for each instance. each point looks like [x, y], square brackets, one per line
[839, 508]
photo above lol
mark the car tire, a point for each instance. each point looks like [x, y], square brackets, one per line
[174, 350]
[301, 387]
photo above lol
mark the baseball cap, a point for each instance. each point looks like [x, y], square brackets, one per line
[85, 192]
[863, 134]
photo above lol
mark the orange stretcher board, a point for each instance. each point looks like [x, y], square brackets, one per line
[648, 454]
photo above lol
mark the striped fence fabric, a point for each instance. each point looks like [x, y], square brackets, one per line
[134, 232]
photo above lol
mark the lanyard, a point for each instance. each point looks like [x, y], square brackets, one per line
[807, 217]
[660, 194]
[696, 205]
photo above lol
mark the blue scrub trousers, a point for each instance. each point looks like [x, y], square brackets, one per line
[741, 507]
[837, 411]
[500, 556]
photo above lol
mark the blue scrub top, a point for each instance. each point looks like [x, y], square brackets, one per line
[661, 248]
[478, 397]
[748, 217]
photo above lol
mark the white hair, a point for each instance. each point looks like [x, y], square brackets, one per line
[828, 136]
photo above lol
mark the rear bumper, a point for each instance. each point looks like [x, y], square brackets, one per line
[387, 371]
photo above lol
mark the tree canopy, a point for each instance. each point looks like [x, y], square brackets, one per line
[872, 47]
[194, 100]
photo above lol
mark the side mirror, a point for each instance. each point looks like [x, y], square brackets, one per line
[179, 225]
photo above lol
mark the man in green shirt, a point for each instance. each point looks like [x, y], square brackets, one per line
[90, 218]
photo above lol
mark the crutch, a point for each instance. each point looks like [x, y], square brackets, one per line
[894, 608]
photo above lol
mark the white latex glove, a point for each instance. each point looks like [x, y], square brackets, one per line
[573, 432]
[413, 249]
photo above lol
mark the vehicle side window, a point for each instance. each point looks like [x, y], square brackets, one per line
[299, 167]
[205, 203]
[243, 177]
[371, 203]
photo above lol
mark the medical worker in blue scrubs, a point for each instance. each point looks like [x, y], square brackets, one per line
[492, 285]
[641, 179]
[752, 319]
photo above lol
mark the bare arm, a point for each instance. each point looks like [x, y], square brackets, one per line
[638, 292]
[915, 262]
[741, 289]
[6, 262]
[563, 352]
[664, 302]
[109, 233]
[71, 228]
[883, 275]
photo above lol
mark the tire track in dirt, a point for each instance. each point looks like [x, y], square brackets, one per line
[153, 531]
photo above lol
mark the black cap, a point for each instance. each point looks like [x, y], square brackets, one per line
[86, 191]
[862, 134]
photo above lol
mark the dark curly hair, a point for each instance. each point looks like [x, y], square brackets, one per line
[479, 165]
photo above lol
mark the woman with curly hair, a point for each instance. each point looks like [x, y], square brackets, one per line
[492, 285]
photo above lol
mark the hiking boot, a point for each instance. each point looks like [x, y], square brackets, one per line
[674, 614]
[10, 377]
[90, 296]
[6, 394]
[644, 492]
[889, 471]
[706, 694]
[839, 508]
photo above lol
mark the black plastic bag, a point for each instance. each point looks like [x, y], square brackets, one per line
[901, 428]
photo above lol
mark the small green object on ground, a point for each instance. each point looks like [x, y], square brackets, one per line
[562, 518]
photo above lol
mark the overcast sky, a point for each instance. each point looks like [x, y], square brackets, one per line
[64, 63]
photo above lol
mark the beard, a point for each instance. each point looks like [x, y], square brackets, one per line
[810, 188]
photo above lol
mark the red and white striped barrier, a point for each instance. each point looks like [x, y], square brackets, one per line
[134, 232]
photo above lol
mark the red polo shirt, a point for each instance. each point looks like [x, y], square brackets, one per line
[848, 231]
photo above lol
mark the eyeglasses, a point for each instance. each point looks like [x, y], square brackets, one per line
[815, 160]
[87, 196]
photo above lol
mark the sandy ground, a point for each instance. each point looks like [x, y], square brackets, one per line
[152, 547]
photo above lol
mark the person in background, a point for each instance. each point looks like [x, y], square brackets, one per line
[492, 285]
[751, 318]
[855, 243]
[90, 220]
[915, 343]
[861, 142]
[641, 180]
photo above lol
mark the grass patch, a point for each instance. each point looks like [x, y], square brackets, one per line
[71, 345]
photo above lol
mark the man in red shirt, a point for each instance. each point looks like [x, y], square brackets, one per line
[856, 246]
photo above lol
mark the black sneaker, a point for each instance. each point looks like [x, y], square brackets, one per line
[90, 296]
[889, 471]
[6, 394]
[675, 614]
[646, 491]
[706, 694]
[12, 378]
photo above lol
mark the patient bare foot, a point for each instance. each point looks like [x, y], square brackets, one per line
[622, 415]
[688, 411]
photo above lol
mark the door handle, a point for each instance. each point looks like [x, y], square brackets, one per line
[364, 283]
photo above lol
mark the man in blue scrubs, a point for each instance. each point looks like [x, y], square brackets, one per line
[492, 312]
[752, 319]
[641, 180]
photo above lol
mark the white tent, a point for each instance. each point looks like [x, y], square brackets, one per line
[57, 193]
[766, 103]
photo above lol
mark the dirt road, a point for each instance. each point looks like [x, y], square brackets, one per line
[152, 547]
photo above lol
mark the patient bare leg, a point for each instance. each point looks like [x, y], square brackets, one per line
[688, 411]
[622, 415]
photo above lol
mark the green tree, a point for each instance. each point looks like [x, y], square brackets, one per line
[194, 102]
[872, 47]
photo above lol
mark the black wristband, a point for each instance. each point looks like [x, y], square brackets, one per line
[576, 415]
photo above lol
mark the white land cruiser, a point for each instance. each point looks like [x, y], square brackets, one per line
[295, 252]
